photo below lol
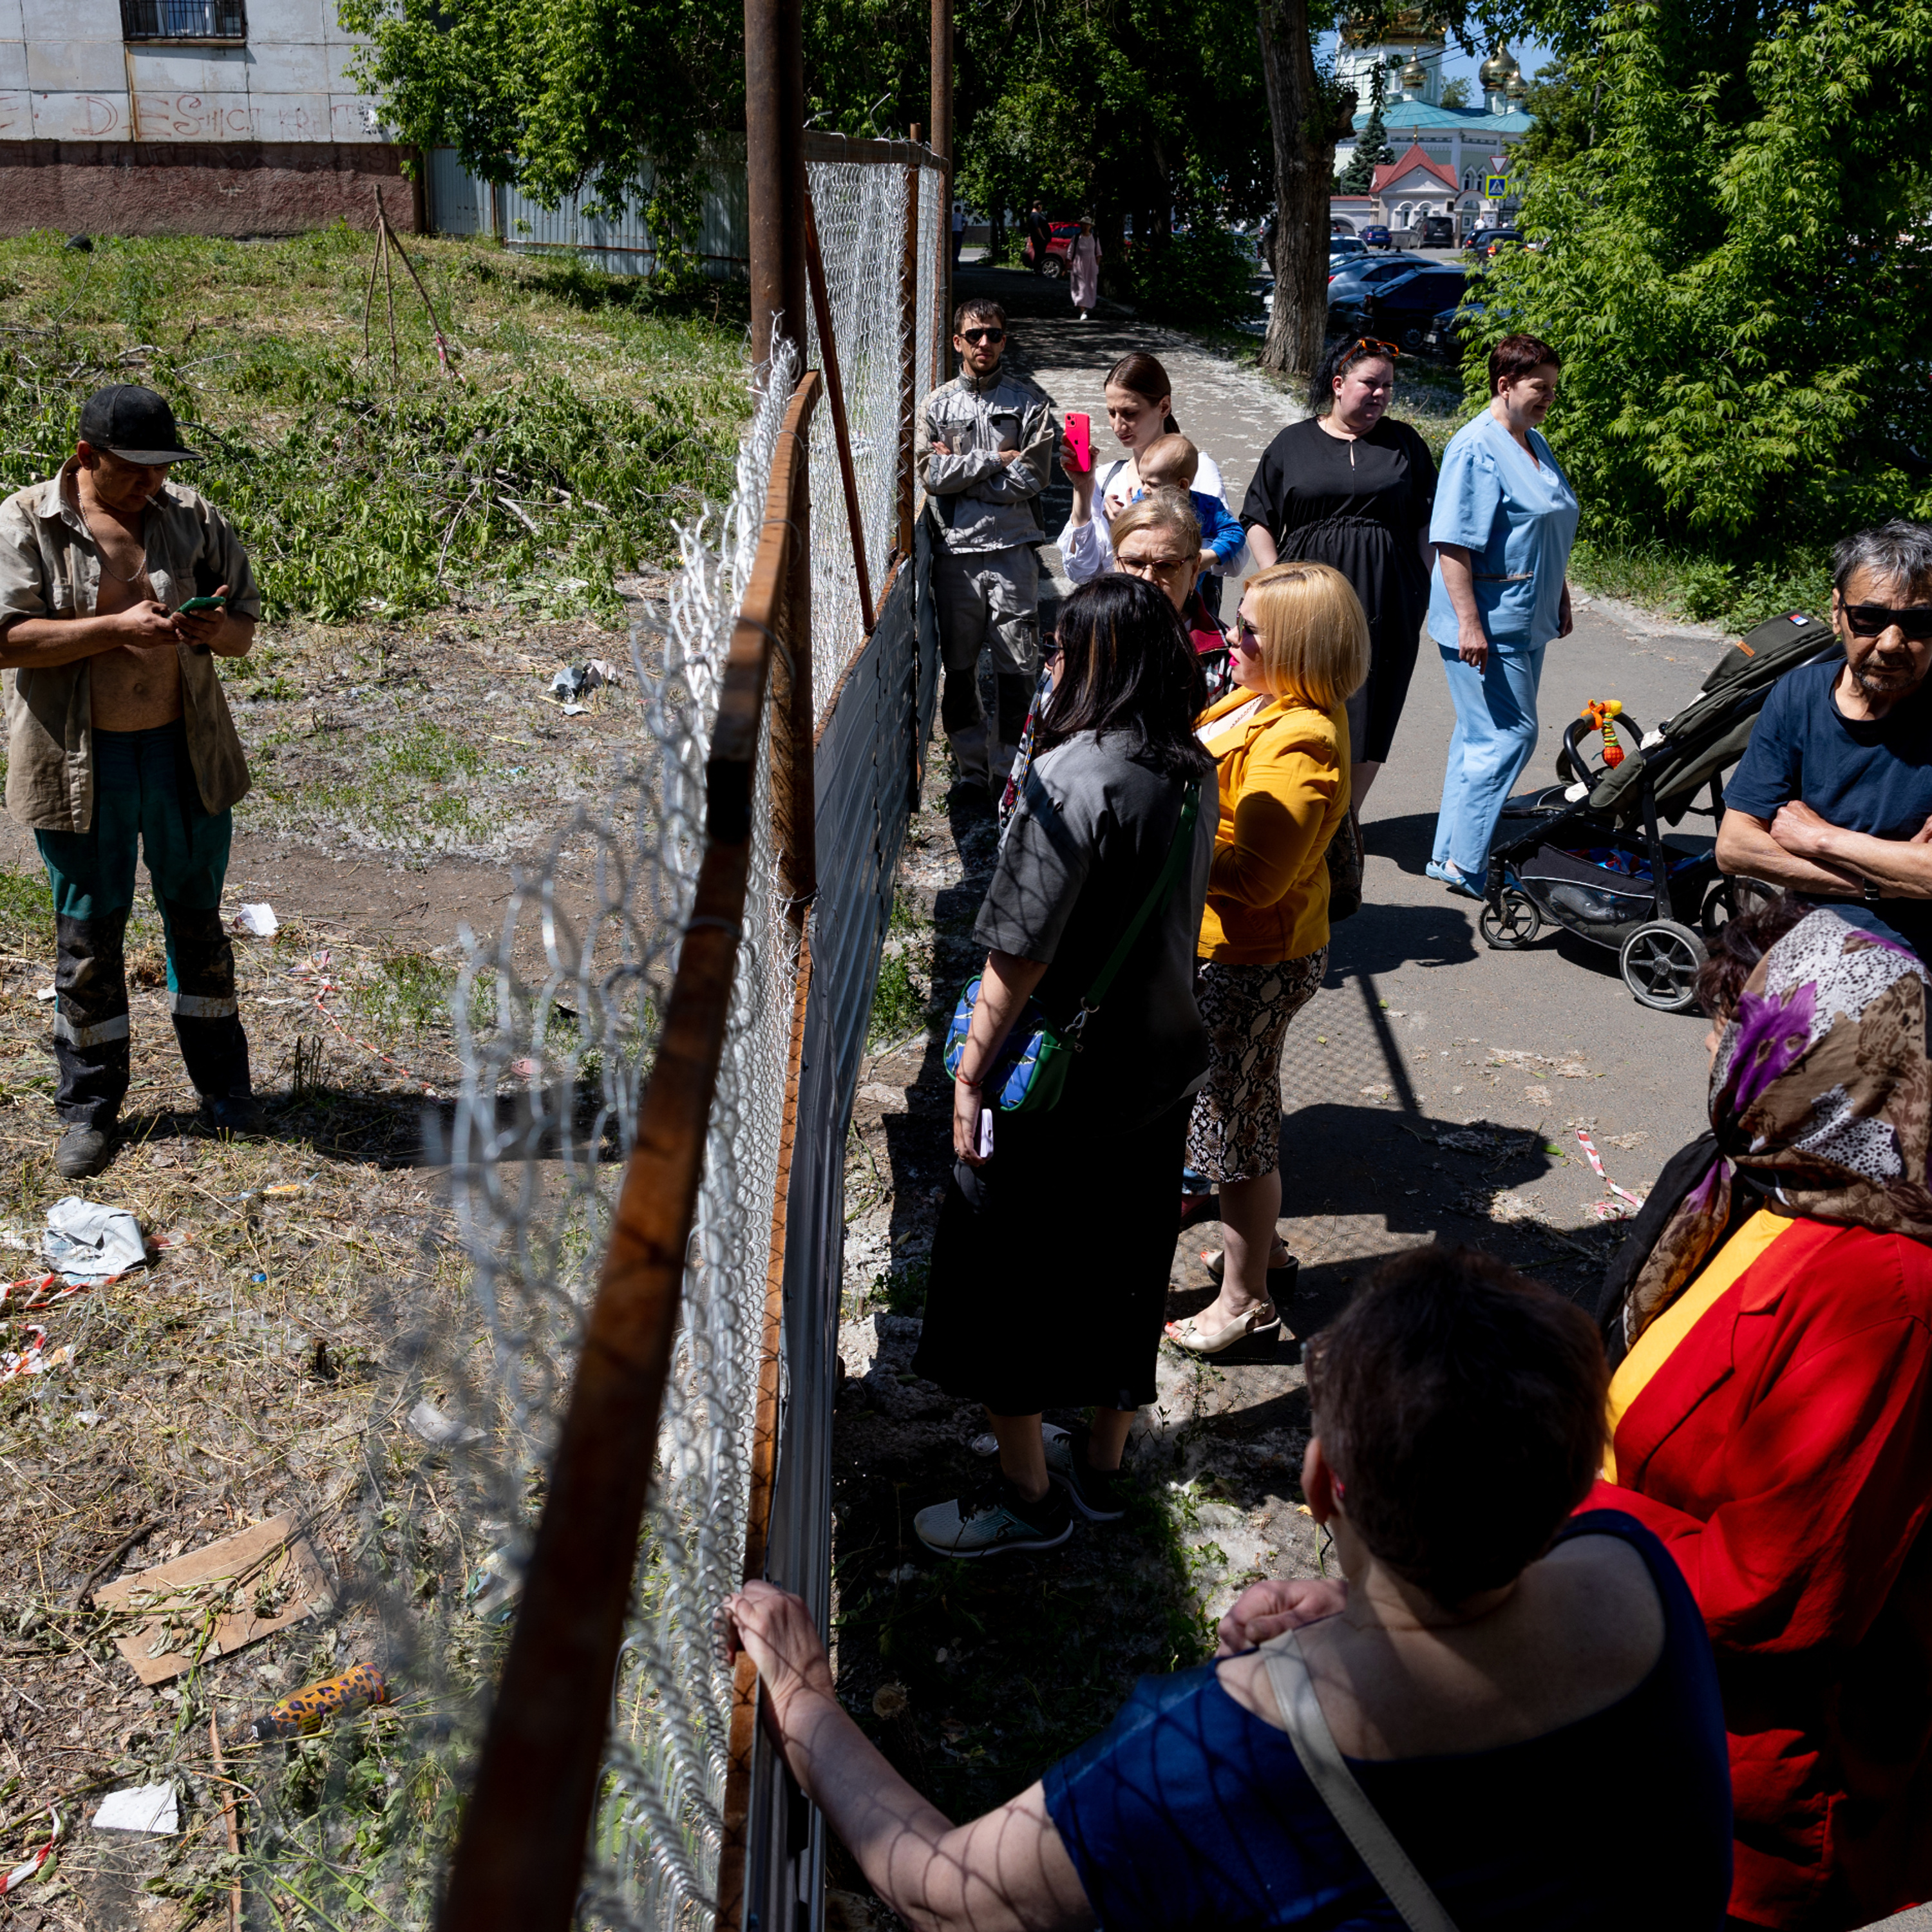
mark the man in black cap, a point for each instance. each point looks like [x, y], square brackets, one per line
[118, 737]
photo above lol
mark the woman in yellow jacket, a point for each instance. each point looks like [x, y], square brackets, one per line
[1279, 740]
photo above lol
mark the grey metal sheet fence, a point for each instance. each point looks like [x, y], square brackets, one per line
[461, 203]
[868, 763]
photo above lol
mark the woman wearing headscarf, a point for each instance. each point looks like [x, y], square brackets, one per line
[1769, 1324]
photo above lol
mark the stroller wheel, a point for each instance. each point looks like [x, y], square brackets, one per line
[1515, 926]
[1661, 960]
[1729, 897]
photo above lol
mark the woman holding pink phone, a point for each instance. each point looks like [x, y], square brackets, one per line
[1140, 411]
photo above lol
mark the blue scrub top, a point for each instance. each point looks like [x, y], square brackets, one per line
[1517, 519]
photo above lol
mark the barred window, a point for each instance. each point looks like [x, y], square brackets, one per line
[183, 20]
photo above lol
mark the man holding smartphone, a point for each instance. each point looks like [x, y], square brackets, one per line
[119, 588]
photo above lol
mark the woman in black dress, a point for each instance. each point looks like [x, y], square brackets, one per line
[1349, 487]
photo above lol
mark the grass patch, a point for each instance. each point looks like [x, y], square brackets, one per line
[898, 1005]
[26, 913]
[588, 412]
[410, 994]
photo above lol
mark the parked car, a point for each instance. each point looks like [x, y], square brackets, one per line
[1376, 237]
[1057, 250]
[1437, 232]
[1488, 241]
[1400, 310]
[1348, 278]
[1341, 247]
[1443, 337]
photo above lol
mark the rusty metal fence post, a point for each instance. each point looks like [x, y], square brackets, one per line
[521, 1849]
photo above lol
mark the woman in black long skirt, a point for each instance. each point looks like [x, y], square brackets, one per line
[1351, 487]
[1050, 1266]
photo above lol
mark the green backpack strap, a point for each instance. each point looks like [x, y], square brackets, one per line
[1178, 856]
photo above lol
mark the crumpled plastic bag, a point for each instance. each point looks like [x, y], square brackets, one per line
[86, 1241]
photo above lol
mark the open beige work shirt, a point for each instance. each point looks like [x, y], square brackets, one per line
[50, 568]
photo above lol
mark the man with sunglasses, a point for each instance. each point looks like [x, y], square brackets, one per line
[985, 441]
[1833, 798]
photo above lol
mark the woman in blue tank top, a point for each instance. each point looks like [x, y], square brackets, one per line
[1526, 1697]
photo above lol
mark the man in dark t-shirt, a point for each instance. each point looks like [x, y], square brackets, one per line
[1833, 798]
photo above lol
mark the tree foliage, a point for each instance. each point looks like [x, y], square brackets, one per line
[1736, 272]
[1565, 113]
[1117, 108]
[1372, 151]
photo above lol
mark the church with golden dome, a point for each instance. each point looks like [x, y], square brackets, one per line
[1446, 155]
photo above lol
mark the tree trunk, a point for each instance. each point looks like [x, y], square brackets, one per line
[1304, 170]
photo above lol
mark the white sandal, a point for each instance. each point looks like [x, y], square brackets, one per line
[1261, 1319]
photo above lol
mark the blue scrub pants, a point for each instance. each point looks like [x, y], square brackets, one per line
[1494, 735]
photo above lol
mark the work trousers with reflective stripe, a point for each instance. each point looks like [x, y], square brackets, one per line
[145, 802]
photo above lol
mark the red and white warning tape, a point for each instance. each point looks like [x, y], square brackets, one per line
[32, 1359]
[29, 1866]
[324, 985]
[1626, 1204]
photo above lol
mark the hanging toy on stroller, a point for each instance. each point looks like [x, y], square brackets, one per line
[1600, 711]
[1593, 857]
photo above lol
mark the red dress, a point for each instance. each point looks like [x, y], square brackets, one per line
[1783, 1452]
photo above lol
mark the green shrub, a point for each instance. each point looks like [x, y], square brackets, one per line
[1203, 276]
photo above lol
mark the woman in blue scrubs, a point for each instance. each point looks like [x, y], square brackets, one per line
[1504, 521]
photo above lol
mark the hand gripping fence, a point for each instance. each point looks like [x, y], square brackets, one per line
[660, 1048]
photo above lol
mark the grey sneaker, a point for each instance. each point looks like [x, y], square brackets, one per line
[83, 1151]
[241, 1114]
[1095, 1493]
[998, 1518]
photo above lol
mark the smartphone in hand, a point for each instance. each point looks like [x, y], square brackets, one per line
[1080, 438]
[986, 1133]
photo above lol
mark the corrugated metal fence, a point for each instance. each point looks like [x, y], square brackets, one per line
[461, 203]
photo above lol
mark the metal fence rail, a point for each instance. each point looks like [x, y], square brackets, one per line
[660, 1353]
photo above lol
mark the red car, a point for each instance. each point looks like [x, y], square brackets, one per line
[1057, 250]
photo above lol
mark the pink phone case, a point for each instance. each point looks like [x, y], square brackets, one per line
[1080, 434]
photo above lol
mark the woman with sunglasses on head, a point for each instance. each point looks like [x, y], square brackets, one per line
[1140, 411]
[1833, 799]
[1505, 518]
[1351, 487]
[1051, 1261]
[1279, 744]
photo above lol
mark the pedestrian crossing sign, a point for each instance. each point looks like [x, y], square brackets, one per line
[1495, 186]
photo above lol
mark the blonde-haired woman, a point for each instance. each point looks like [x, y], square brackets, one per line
[1279, 741]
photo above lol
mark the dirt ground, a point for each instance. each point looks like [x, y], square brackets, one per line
[268, 1360]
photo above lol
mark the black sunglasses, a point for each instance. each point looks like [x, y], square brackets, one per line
[984, 335]
[1873, 620]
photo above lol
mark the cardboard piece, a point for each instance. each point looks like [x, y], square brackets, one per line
[268, 1554]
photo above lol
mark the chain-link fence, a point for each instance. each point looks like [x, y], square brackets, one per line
[651, 1253]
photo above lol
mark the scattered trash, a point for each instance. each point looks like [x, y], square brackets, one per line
[439, 1430]
[217, 1600]
[575, 710]
[258, 1279]
[988, 1443]
[891, 1700]
[33, 1359]
[30, 1866]
[145, 1807]
[317, 970]
[305, 1710]
[85, 1241]
[494, 1585]
[258, 921]
[44, 993]
[579, 681]
[269, 1193]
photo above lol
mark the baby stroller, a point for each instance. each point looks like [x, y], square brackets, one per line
[1594, 858]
